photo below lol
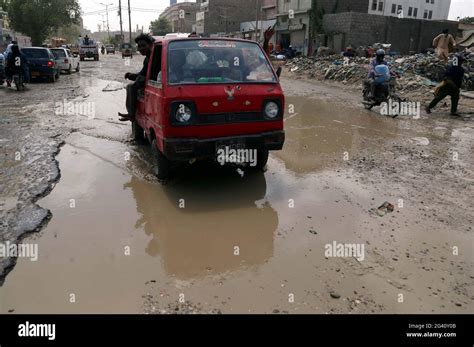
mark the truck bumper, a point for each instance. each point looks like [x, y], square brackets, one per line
[187, 149]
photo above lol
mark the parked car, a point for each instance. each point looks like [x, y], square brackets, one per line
[127, 50]
[42, 63]
[204, 95]
[110, 49]
[65, 60]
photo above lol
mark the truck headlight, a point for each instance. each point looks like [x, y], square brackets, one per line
[183, 113]
[272, 110]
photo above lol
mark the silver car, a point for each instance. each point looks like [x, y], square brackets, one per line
[65, 60]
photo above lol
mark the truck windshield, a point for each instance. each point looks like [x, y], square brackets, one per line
[217, 61]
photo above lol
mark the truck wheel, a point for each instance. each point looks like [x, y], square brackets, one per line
[262, 159]
[137, 132]
[161, 164]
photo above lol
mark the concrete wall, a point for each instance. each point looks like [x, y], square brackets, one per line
[405, 35]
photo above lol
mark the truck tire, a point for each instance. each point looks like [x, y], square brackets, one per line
[161, 164]
[262, 159]
[138, 133]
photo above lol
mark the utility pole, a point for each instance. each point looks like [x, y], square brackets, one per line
[256, 20]
[130, 21]
[107, 11]
[120, 15]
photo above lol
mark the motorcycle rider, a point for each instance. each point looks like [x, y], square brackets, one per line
[17, 61]
[102, 49]
[378, 71]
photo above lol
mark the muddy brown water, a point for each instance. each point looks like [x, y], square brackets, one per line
[211, 237]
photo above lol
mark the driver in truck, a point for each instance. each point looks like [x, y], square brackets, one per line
[144, 44]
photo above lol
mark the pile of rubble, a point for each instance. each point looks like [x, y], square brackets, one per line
[415, 71]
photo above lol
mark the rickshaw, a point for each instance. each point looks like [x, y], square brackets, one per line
[126, 49]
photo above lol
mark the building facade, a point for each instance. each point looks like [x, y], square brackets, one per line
[7, 34]
[415, 9]
[181, 16]
[221, 17]
[268, 9]
[292, 28]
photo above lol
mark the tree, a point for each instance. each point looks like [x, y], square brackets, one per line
[4, 4]
[38, 19]
[69, 32]
[467, 20]
[160, 27]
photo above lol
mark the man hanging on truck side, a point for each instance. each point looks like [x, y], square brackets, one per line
[145, 45]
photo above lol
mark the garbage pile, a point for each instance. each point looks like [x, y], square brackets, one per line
[415, 71]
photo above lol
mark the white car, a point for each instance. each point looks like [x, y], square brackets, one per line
[65, 60]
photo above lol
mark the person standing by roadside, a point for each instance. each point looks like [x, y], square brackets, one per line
[442, 43]
[450, 85]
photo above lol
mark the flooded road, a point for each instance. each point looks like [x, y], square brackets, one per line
[222, 241]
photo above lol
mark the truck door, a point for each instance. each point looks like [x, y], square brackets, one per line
[154, 87]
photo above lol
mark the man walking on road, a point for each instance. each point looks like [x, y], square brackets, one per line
[442, 43]
[451, 85]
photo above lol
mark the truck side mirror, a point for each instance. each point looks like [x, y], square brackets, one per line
[278, 72]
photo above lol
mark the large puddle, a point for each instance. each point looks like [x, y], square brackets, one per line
[227, 242]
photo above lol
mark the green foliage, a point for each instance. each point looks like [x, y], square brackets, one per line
[40, 18]
[160, 27]
[467, 20]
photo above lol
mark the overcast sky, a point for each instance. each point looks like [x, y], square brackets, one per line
[144, 11]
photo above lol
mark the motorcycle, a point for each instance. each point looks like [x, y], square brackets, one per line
[384, 93]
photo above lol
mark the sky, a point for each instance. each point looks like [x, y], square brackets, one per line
[145, 11]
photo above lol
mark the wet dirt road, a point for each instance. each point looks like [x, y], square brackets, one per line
[113, 240]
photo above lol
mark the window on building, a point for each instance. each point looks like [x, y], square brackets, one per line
[374, 5]
[410, 11]
[415, 12]
[430, 16]
[427, 1]
[394, 8]
[399, 9]
[381, 6]
[425, 15]
[432, 1]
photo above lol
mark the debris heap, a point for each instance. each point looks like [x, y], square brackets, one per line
[415, 71]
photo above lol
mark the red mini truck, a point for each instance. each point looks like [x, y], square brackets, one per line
[203, 95]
